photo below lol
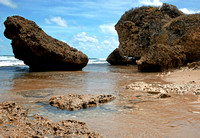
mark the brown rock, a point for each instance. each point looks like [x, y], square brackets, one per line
[40, 51]
[16, 124]
[137, 27]
[73, 102]
[160, 57]
[194, 65]
[117, 58]
[162, 37]
[164, 95]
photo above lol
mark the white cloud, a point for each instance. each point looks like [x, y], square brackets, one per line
[93, 46]
[58, 20]
[8, 3]
[186, 11]
[108, 29]
[84, 38]
[47, 21]
[150, 2]
[110, 44]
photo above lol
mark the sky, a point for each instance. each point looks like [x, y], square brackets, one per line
[87, 25]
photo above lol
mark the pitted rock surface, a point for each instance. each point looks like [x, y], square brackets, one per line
[73, 102]
[160, 37]
[15, 123]
[40, 51]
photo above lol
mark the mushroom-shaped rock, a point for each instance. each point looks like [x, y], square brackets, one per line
[40, 51]
[160, 37]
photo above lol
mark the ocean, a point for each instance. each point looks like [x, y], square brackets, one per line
[9, 60]
[32, 90]
[131, 114]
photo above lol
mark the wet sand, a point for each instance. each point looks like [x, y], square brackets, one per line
[132, 114]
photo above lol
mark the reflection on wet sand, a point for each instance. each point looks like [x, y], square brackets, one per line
[132, 114]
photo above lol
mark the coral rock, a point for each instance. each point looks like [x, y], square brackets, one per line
[40, 51]
[73, 102]
[161, 37]
[117, 58]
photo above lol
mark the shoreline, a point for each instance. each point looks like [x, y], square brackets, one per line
[183, 76]
[130, 107]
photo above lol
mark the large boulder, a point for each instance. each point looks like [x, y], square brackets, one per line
[161, 37]
[40, 51]
[117, 58]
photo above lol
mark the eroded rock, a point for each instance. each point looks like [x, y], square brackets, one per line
[14, 123]
[194, 65]
[73, 102]
[161, 37]
[159, 57]
[40, 51]
[117, 58]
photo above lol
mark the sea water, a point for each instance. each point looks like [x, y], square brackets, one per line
[10, 60]
[129, 115]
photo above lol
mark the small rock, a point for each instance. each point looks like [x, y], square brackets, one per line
[164, 95]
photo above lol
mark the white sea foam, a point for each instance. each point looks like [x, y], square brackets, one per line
[10, 61]
[97, 61]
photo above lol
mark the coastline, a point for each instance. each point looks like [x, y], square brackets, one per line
[146, 110]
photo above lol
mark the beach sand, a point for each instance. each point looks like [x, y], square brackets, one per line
[132, 114]
[183, 76]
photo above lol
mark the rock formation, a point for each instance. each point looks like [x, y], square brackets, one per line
[73, 102]
[15, 123]
[116, 58]
[161, 37]
[40, 51]
[194, 65]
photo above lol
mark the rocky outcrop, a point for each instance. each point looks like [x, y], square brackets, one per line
[73, 102]
[14, 123]
[161, 37]
[40, 51]
[116, 58]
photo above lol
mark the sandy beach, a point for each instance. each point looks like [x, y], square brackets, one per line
[183, 76]
[132, 114]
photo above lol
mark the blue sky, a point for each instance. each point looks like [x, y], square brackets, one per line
[87, 25]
